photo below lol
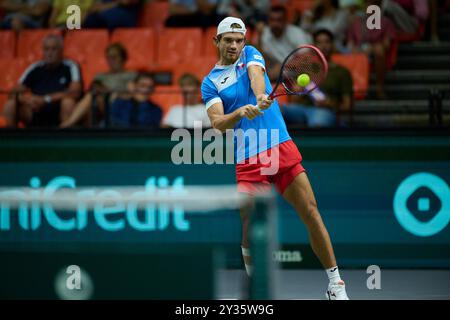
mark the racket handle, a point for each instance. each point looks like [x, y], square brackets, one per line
[273, 95]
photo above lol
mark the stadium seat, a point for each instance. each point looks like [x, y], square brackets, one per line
[411, 37]
[200, 67]
[179, 44]
[11, 70]
[358, 65]
[140, 44]
[282, 100]
[2, 122]
[154, 14]
[302, 5]
[209, 48]
[166, 97]
[90, 68]
[85, 45]
[8, 44]
[29, 45]
[298, 7]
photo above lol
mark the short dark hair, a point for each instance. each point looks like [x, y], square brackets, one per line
[189, 77]
[120, 48]
[278, 8]
[323, 31]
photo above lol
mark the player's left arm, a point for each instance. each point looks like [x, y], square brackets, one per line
[258, 85]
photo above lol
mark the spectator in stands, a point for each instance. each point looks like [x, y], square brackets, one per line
[23, 14]
[334, 94]
[107, 85]
[48, 89]
[58, 16]
[136, 110]
[354, 9]
[184, 116]
[251, 12]
[113, 14]
[374, 42]
[407, 15]
[326, 14]
[192, 13]
[279, 38]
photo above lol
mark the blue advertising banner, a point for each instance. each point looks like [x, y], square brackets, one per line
[384, 211]
[361, 203]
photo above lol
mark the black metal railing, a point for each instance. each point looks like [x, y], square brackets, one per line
[434, 112]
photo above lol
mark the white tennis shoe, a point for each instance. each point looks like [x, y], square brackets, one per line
[336, 291]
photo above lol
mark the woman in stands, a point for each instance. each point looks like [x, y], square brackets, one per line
[106, 85]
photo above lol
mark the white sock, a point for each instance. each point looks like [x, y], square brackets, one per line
[333, 274]
[248, 267]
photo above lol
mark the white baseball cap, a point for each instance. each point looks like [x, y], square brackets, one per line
[229, 25]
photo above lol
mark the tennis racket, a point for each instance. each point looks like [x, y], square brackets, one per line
[306, 59]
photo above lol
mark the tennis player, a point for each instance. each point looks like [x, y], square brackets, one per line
[231, 92]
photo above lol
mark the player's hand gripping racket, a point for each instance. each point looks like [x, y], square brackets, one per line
[303, 70]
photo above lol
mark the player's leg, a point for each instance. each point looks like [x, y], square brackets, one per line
[245, 244]
[300, 195]
[249, 188]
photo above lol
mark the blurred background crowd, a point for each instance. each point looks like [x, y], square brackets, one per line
[139, 64]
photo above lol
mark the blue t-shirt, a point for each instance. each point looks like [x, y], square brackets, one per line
[127, 113]
[231, 86]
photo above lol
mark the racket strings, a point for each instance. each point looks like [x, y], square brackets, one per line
[303, 61]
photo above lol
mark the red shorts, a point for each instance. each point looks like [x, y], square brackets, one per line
[278, 165]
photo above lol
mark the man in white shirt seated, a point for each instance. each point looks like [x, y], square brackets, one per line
[279, 38]
[180, 116]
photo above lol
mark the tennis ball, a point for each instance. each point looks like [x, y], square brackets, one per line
[303, 80]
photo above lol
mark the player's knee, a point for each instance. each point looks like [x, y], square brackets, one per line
[245, 211]
[312, 212]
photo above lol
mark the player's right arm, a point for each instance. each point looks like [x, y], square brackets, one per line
[214, 106]
[221, 121]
